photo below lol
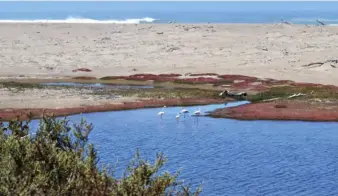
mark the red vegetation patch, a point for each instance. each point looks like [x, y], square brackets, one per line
[169, 75]
[84, 78]
[243, 84]
[199, 80]
[281, 106]
[220, 80]
[10, 114]
[284, 111]
[82, 69]
[238, 77]
[204, 74]
[144, 77]
[270, 81]
[113, 77]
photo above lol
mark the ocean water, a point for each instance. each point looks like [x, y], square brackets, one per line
[164, 12]
[228, 157]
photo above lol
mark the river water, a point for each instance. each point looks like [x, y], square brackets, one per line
[228, 157]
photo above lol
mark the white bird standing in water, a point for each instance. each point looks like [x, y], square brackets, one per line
[197, 112]
[184, 111]
[161, 113]
[178, 116]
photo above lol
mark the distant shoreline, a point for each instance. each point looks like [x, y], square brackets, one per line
[103, 22]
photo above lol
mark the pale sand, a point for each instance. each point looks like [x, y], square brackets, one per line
[268, 51]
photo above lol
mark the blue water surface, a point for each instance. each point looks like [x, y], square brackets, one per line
[229, 157]
[179, 11]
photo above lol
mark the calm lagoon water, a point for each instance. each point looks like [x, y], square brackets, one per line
[229, 157]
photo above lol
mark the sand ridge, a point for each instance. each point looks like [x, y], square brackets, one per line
[276, 51]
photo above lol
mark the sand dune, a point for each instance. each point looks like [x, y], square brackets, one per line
[273, 51]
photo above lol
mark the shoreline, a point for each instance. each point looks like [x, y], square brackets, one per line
[281, 112]
[23, 113]
[158, 23]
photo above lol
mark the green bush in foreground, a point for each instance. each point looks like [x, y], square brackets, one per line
[58, 160]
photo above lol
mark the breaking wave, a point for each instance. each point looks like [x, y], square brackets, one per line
[84, 20]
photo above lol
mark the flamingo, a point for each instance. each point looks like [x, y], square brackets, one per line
[178, 116]
[197, 112]
[184, 111]
[161, 113]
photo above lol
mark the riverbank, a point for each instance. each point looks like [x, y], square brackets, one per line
[301, 53]
[33, 113]
[20, 98]
[271, 99]
[282, 110]
[305, 102]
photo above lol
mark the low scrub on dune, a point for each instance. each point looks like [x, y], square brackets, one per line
[58, 160]
[84, 78]
[82, 69]
[163, 93]
[18, 86]
[204, 74]
[238, 77]
[142, 77]
[170, 75]
[309, 91]
[199, 80]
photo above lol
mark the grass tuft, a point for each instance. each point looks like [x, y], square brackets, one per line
[84, 78]
[18, 86]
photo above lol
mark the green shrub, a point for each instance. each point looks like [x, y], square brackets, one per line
[58, 160]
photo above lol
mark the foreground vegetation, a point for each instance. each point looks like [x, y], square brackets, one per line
[58, 160]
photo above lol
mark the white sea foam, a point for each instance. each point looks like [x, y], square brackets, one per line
[84, 20]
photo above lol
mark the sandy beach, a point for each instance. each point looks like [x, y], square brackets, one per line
[277, 51]
[56, 98]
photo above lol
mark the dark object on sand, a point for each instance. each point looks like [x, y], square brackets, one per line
[320, 22]
[285, 22]
[239, 95]
[82, 69]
